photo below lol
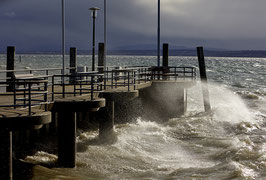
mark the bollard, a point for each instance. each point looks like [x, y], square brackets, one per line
[67, 147]
[10, 65]
[203, 78]
[73, 64]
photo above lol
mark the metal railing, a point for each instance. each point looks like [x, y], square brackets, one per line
[27, 93]
[6, 80]
[47, 83]
[173, 73]
[77, 84]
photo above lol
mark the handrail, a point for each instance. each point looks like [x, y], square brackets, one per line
[31, 90]
[81, 83]
[87, 82]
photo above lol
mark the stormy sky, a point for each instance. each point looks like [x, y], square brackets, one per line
[35, 25]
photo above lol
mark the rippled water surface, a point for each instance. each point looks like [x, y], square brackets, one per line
[227, 143]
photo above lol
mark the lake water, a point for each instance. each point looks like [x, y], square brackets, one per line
[228, 143]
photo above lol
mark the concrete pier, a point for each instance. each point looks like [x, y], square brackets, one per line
[107, 115]
[67, 110]
[105, 100]
[67, 147]
[165, 99]
[6, 160]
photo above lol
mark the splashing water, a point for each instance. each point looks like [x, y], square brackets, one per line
[226, 105]
[228, 143]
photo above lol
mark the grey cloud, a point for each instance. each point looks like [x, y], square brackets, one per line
[236, 24]
[9, 14]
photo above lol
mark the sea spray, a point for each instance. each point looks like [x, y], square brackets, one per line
[218, 146]
[226, 105]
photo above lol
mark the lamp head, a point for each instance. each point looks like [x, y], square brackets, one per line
[94, 11]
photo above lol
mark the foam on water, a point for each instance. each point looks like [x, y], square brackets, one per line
[228, 143]
[214, 145]
[226, 105]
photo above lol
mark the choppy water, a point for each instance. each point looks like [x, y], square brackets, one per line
[228, 143]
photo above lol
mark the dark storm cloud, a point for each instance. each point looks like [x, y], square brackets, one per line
[36, 24]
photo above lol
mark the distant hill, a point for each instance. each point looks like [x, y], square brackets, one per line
[190, 52]
[172, 52]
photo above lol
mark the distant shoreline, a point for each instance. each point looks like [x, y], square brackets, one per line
[185, 52]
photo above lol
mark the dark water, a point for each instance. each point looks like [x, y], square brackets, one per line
[228, 143]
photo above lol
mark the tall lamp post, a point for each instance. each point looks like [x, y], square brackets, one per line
[158, 35]
[63, 40]
[93, 15]
[105, 33]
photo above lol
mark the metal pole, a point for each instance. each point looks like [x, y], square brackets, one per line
[63, 40]
[105, 33]
[158, 37]
[93, 44]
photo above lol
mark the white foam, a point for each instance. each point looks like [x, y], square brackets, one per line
[226, 105]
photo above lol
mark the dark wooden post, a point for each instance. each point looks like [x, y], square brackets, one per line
[165, 55]
[67, 147]
[165, 60]
[73, 63]
[203, 78]
[101, 58]
[10, 65]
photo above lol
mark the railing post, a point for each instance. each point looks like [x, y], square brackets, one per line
[203, 77]
[92, 86]
[134, 76]
[75, 88]
[63, 86]
[128, 81]
[73, 64]
[46, 95]
[24, 93]
[112, 80]
[146, 76]
[53, 88]
[15, 94]
[29, 99]
[139, 74]
[10, 65]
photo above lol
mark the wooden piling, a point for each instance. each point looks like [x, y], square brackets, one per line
[73, 63]
[165, 60]
[101, 58]
[203, 77]
[10, 65]
[165, 54]
[67, 147]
